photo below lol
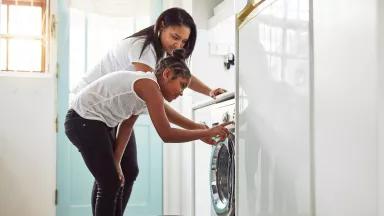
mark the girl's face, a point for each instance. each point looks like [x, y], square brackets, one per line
[174, 37]
[172, 87]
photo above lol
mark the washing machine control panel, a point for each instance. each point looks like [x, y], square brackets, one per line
[226, 117]
[223, 112]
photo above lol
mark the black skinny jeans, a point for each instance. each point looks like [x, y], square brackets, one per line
[95, 141]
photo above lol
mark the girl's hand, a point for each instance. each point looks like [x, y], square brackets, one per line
[213, 93]
[208, 139]
[120, 174]
[220, 131]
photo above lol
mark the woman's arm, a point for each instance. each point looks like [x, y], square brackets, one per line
[196, 84]
[142, 67]
[149, 91]
[199, 86]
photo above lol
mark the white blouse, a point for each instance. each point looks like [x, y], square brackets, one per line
[111, 98]
[120, 58]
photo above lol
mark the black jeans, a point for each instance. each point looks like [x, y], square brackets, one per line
[95, 141]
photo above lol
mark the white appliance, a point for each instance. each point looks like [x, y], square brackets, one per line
[273, 86]
[215, 165]
[222, 166]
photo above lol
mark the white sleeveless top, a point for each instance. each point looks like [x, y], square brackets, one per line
[111, 98]
[120, 58]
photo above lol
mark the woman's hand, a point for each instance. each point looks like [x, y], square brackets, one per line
[213, 93]
[120, 173]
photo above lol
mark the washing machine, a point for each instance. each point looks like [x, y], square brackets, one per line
[222, 164]
[214, 165]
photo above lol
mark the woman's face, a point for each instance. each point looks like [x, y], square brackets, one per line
[171, 87]
[174, 37]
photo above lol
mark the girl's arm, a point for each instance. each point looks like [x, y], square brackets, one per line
[173, 116]
[149, 91]
[123, 135]
[178, 119]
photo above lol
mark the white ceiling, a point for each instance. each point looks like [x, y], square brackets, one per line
[116, 8]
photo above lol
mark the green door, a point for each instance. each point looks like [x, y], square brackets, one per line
[74, 182]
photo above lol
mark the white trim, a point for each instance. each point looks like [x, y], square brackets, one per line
[27, 74]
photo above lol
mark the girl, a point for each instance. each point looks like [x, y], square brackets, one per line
[119, 98]
[141, 51]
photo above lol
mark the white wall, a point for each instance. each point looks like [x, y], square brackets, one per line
[381, 107]
[202, 11]
[185, 4]
[210, 68]
[27, 145]
[177, 169]
[171, 179]
[28, 140]
[345, 107]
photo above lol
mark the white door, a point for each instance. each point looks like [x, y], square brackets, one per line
[274, 155]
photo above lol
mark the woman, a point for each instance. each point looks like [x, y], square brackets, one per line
[119, 98]
[141, 51]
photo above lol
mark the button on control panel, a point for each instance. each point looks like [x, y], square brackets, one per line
[226, 117]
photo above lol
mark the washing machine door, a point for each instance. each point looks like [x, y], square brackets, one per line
[222, 177]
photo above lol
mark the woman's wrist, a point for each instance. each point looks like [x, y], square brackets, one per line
[208, 92]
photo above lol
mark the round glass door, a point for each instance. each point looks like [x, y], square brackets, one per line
[222, 177]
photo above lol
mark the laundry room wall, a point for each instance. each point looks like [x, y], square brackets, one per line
[380, 85]
[27, 144]
[347, 86]
[28, 139]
